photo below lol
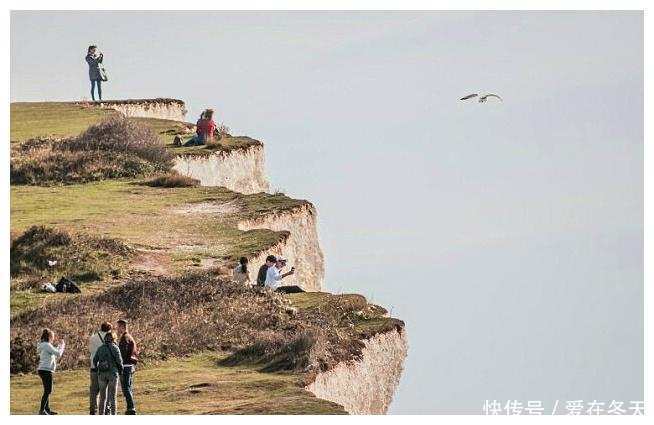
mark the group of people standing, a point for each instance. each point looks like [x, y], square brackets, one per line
[113, 360]
[270, 274]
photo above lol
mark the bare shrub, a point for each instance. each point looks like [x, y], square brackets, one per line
[120, 134]
[22, 356]
[115, 148]
[173, 316]
[222, 130]
[173, 180]
[80, 257]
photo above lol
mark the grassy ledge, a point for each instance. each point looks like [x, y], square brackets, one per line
[155, 250]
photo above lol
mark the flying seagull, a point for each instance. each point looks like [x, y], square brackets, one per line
[482, 98]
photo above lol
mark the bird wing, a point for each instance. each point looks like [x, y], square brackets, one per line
[470, 96]
[492, 95]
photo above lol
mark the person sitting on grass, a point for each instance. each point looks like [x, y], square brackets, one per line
[241, 271]
[48, 356]
[109, 364]
[204, 129]
[263, 270]
[274, 274]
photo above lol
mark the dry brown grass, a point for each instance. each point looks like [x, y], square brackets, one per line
[114, 148]
[177, 316]
[173, 180]
[79, 256]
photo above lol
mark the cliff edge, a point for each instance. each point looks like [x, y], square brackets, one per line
[165, 254]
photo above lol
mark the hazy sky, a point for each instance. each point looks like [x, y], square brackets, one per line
[508, 236]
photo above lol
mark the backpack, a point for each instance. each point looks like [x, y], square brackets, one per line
[105, 365]
[67, 285]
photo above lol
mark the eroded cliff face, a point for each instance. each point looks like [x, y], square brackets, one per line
[366, 386]
[301, 247]
[240, 170]
[167, 109]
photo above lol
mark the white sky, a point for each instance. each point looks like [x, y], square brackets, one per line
[508, 236]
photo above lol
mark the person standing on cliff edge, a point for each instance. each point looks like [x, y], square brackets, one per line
[97, 73]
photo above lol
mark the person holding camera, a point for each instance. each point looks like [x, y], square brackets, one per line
[109, 363]
[96, 70]
[274, 274]
[48, 356]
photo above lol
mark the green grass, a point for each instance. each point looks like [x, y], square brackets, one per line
[52, 119]
[369, 320]
[193, 385]
[67, 119]
[149, 217]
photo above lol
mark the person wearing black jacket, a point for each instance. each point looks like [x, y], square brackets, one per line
[263, 270]
[128, 352]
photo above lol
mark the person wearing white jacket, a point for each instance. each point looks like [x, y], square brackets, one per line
[48, 356]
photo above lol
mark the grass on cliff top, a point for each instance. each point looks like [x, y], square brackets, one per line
[168, 129]
[52, 119]
[66, 119]
[182, 226]
[194, 385]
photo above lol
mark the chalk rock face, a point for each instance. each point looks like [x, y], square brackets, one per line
[240, 170]
[167, 109]
[301, 247]
[366, 386]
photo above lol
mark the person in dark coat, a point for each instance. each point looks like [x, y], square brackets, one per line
[261, 276]
[129, 354]
[94, 59]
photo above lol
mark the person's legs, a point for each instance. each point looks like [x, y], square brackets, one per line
[94, 389]
[290, 289]
[191, 141]
[126, 380]
[46, 380]
[99, 83]
[93, 90]
[111, 394]
[103, 383]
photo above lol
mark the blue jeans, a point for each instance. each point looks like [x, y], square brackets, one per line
[197, 140]
[126, 381]
[99, 83]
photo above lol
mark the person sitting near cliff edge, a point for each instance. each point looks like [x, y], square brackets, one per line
[274, 276]
[204, 129]
[263, 270]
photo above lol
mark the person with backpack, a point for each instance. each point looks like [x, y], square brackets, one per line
[128, 353]
[96, 340]
[263, 270]
[48, 356]
[109, 364]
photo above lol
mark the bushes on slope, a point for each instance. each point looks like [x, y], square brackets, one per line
[117, 147]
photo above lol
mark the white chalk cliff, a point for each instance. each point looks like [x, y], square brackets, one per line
[362, 386]
[301, 247]
[366, 386]
[240, 170]
[167, 109]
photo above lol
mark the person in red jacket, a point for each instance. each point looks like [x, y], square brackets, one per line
[129, 353]
[205, 128]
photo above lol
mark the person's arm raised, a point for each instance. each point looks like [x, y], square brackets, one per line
[292, 271]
